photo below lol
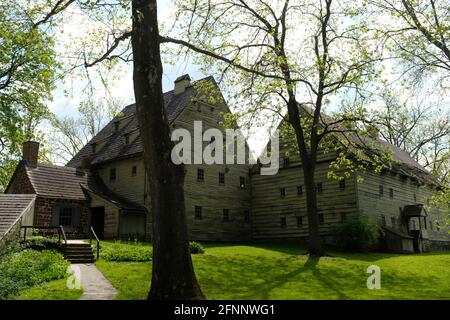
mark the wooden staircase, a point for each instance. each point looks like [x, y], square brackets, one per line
[78, 252]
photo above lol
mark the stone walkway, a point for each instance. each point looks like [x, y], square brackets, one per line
[94, 284]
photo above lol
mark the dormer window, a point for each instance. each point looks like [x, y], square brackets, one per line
[94, 147]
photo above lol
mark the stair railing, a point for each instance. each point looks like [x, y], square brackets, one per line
[92, 233]
[63, 234]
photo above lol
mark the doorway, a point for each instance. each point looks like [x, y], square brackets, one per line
[98, 221]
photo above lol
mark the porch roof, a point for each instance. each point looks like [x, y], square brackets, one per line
[414, 210]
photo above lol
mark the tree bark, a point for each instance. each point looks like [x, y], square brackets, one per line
[315, 242]
[173, 274]
[308, 159]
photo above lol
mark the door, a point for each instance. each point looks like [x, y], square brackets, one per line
[98, 221]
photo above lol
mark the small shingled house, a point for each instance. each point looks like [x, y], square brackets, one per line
[105, 186]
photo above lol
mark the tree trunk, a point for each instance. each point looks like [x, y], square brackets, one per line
[308, 160]
[315, 242]
[173, 274]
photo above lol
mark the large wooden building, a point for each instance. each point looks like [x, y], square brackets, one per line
[104, 186]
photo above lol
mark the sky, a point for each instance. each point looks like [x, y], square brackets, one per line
[68, 94]
[123, 88]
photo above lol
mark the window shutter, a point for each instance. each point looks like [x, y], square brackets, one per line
[55, 216]
[76, 215]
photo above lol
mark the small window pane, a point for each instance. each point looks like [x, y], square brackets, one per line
[221, 178]
[299, 222]
[242, 182]
[198, 212]
[226, 215]
[319, 187]
[283, 192]
[65, 216]
[247, 216]
[283, 222]
[321, 218]
[200, 174]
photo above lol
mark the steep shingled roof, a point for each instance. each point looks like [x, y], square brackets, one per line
[58, 182]
[112, 139]
[11, 208]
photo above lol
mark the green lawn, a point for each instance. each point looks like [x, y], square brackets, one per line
[53, 290]
[283, 272]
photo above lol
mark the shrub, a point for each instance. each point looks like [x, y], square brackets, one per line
[41, 243]
[196, 248]
[125, 252]
[356, 234]
[21, 270]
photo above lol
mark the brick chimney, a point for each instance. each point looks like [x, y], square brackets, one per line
[30, 153]
[181, 83]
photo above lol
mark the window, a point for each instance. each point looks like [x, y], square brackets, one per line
[213, 139]
[133, 171]
[242, 182]
[127, 138]
[116, 125]
[393, 222]
[381, 190]
[343, 217]
[319, 187]
[283, 222]
[200, 174]
[112, 174]
[226, 215]
[198, 212]
[247, 216]
[221, 178]
[94, 147]
[211, 109]
[299, 190]
[342, 184]
[321, 218]
[391, 193]
[286, 162]
[283, 192]
[65, 217]
[383, 220]
[299, 222]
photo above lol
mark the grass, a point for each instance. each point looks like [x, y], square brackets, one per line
[282, 271]
[53, 290]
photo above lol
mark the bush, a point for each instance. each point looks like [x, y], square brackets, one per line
[21, 270]
[41, 243]
[356, 234]
[196, 248]
[125, 252]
